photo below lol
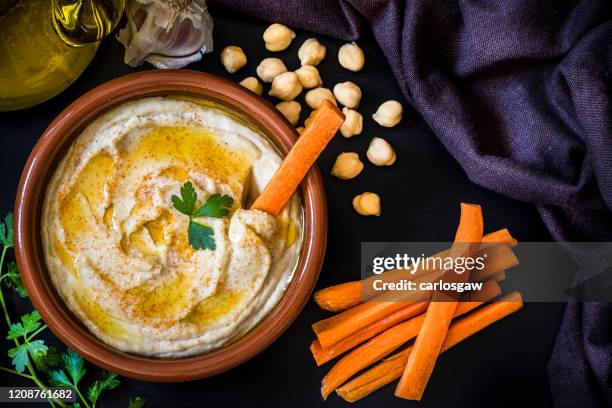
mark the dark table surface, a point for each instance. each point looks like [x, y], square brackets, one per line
[504, 365]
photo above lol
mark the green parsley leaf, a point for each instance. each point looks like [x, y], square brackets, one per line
[29, 323]
[6, 231]
[20, 357]
[74, 365]
[14, 280]
[51, 359]
[107, 382]
[137, 402]
[38, 351]
[21, 354]
[76, 405]
[201, 236]
[58, 378]
[187, 202]
[216, 206]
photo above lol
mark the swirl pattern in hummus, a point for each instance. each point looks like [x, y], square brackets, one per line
[117, 249]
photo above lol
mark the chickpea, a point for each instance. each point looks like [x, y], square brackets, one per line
[315, 97]
[367, 204]
[291, 110]
[252, 84]
[286, 86]
[351, 57]
[389, 114]
[277, 37]
[233, 58]
[380, 152]
[347, 166]
[348, 94]
[270, 68]
[309, 76]
[311, 52]
[353, 124]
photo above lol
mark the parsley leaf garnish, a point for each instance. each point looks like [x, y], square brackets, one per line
[20, 358]
[75, 365]
[186, 202]
[29, 323]
[6, 231]
[21, 354]
[201, 236]
[216, 206]
[107, 382]
[59, 378]
[13, 280]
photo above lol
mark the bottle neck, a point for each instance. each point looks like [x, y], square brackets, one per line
[82, 22]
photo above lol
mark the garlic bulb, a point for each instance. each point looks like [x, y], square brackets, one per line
[166, 33]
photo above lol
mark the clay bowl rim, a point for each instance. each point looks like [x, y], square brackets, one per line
[43, 161]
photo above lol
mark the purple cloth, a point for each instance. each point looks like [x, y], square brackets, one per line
[519, 93]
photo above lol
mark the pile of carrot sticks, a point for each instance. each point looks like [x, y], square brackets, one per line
[370, 327]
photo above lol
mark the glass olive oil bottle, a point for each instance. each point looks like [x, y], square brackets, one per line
[46, 44]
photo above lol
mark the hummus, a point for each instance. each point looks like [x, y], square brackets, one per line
[117, 250]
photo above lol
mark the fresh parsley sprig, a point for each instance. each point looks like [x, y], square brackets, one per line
[217, 206]
[30, 355]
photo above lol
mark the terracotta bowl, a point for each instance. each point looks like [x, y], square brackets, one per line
[50, 149]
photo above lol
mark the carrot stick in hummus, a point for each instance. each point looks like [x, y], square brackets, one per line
[320, 129]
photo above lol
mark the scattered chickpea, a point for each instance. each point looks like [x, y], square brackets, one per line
[270, 68]
[291, 110]
[367, 204]
[353, 124]
[309, 76]
[233, 58]
[300, 129]
[348, 94]
[347, 166]
[389, 114]
[286, 86]
[381, 153]
[277, 37]
[311, 52]
[315, 97]
[351, 57]
[252, 84]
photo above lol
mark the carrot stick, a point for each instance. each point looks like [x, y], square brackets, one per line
[340, 297]
[439, 314]
[346, 295]
[323, 355]
[499, 237]
[387, 341]
[392, 368]
[319, 131]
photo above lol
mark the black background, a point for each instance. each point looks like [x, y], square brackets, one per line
[505, 365]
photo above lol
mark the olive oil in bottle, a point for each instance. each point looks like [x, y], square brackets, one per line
[43, 50]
